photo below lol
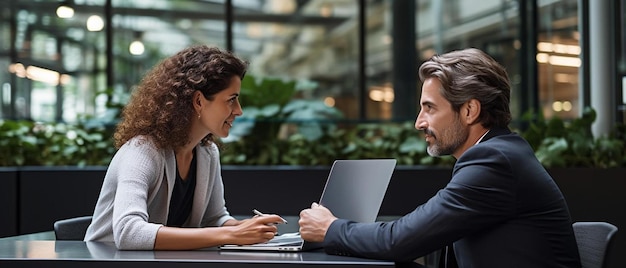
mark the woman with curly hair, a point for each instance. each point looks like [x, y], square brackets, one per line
[163, 188]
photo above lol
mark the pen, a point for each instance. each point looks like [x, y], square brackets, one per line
[259, 213]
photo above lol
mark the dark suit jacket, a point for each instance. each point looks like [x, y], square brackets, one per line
[500, 209]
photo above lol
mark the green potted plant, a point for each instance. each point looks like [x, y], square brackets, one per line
[273, 110]
[560, 143]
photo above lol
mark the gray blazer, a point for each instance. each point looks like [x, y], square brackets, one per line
[135, 195]
[500, 209]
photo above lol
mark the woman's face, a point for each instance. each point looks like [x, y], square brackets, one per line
[217, 115]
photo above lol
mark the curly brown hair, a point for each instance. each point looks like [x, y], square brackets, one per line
[161, 105]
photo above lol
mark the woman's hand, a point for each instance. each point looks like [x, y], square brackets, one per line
[258, 229]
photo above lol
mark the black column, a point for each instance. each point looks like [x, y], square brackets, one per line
[362, 60]
[583, 30]
[12, 113]
[58, 112]
[404, 60]
[528, 64]
[108, 17]
[228, 5]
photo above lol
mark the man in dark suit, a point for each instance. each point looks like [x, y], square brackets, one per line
[500, 209]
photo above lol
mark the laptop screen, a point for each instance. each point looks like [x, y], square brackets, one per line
[355, 189]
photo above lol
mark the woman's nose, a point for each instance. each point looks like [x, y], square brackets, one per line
[238, 111]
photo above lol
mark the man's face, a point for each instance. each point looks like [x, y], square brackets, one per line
[444, 132]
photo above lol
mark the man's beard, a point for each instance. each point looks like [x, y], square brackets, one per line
[448, 141]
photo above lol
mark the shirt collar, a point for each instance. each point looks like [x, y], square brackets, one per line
[481, 137]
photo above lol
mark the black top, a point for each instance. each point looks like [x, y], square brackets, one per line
[182, 196]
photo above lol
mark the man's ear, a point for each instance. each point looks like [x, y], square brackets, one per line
[471, 111]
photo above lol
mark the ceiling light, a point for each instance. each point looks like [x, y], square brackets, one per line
[329, 101]
[95, 23]
[136, 47]
[564, 61]
[558, 48]
[42, 75]
[65, 10]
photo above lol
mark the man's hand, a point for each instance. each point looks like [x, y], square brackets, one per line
[314, 222]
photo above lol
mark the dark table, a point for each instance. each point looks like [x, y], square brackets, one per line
[41, 250]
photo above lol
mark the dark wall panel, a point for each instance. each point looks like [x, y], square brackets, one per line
[51, 194]
[8, 202]
[37, 197]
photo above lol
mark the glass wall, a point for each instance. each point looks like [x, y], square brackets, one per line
[6, 110]
[380, 88]
[303, 40]
[360, 56]
[492, 26]
[51, 73]
[145, 32]
[558, 55]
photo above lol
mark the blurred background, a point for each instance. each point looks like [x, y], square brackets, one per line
[60, 60]
[72, 61]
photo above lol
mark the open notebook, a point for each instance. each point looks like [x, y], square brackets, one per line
[354, 191]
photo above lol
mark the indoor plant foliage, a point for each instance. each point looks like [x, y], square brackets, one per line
[397, 140]
[559, 143]
[283, 125]
[26, 143]
[274, 109]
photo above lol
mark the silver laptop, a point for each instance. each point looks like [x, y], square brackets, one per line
[354, 191]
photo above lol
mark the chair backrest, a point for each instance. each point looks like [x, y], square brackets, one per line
[594, 240]
[71, 229]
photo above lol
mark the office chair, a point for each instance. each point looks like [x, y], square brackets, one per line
[594, 241]
[72, 228]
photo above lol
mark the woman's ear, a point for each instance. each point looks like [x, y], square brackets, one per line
[197, 100]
